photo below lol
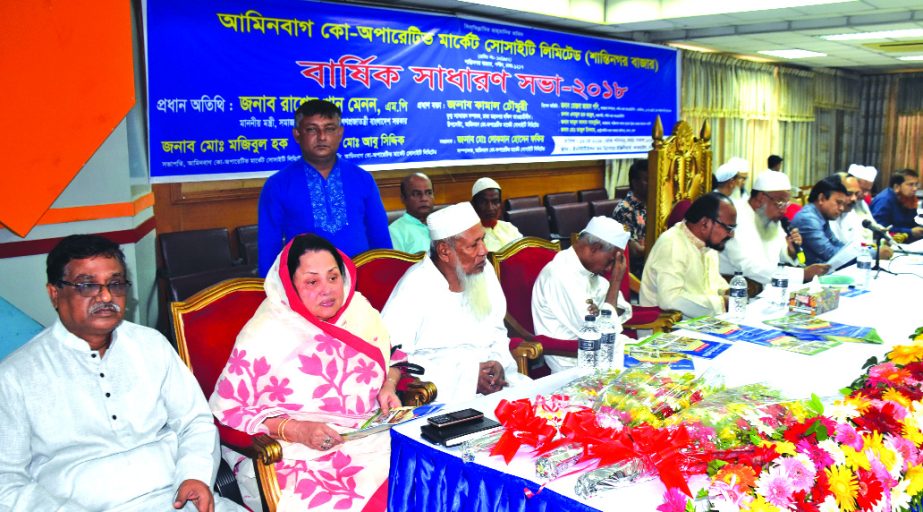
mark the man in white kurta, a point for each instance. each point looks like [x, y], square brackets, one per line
[120, 426]
[486, 198]
[760, 243]
[681, 272]
[438, 327]
[572, 285]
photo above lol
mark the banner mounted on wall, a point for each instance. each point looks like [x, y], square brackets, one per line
[225, 79]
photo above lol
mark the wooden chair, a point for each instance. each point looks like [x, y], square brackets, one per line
[206, 327]
[679, 168]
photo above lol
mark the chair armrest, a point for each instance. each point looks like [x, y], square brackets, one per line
[523, 352]
[557, 347]
[418, 392]
[259, 446]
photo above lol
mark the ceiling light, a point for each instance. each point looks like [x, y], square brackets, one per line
[792, 54]
[692, 47]
[881, 34]
[911, 57]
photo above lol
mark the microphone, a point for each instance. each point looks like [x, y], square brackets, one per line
[877, 229]
[799, 253]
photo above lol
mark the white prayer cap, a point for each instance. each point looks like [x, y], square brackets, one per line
[483, 184]
[451, 220]
[867, 173]
[608, 230]
[732, 168]
[772, 181]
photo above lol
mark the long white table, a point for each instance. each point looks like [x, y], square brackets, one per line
[427, 477]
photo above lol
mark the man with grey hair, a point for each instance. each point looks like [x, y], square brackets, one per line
[447, 311]
[584, 279]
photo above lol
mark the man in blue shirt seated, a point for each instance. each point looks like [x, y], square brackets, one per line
[826, 202]
[320, 193]
[896, 206]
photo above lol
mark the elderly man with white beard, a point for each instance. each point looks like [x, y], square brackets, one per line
[447, 311]
[760, 242]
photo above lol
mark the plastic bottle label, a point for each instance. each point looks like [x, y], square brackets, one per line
[780, 282]
[738, 293]
[586, 344]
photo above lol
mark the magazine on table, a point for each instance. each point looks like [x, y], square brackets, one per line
[381, 422]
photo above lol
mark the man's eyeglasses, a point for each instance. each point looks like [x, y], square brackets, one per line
[729, 228]
[314, 131]
[116, 288]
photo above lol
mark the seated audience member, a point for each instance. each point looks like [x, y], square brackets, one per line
[320, 192]
[487, 202]
[447, 311]
[314, 361]
[97, 413]
[681, 272]
[896, 206]
[409, 232]
[825, 203]
[865, 177]
[760, 243]
[632, 213]
[730, 177]
[774, 163]
[573, 285]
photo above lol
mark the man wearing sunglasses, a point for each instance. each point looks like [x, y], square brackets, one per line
[97, 413]
[827, 201]
[681, 272]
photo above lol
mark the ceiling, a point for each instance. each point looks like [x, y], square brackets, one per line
[741, 34]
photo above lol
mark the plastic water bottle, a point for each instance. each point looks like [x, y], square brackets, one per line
[608, 338]
[588, 344]
[778, 293]
[737, 300]
[864, 264]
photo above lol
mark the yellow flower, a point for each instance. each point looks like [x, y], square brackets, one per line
[896, 396]
[760, 505]
[858, 401]
[844, 486]
[783, 447]
[874, 442]
[904, 354]
[915, 477]
[855, 460]
[911, 431]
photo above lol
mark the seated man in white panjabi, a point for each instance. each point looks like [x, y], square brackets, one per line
[447, 311]
[574, 284]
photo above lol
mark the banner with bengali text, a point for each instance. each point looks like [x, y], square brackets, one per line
[416, 90]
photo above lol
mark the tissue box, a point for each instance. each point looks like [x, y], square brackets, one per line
[814, 303]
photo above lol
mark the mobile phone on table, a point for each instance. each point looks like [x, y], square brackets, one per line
[455, 418]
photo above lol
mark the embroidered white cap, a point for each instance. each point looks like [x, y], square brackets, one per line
[863, 172]
[732, 168]
[772, 181]
[609, 230]
[451, 220]
[484, 184]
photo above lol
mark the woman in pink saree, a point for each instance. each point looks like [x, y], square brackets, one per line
[313, 362]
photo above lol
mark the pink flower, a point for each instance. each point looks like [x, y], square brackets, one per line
[277, 390]
[673, 501]
[800, 475]
[326, 343]
[365, 372]
[238, 363]
[775, 487]
[846, 434]
[818, 456]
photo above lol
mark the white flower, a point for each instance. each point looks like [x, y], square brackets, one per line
[829, 505]
[830, 446]
[841, 411]
[900, 500]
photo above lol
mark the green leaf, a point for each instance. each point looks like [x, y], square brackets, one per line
[815, 405]
[714, 465]
[819, 430]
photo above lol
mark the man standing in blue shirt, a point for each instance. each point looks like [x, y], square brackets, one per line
[827, 201]
[896, 206]
[322, 193]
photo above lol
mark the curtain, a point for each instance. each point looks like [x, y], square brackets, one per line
[616, 174]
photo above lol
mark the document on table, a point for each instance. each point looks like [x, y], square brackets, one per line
[844, 256]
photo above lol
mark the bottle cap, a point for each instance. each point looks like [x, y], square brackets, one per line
[590, 318]
[606, 312]
[738, 273]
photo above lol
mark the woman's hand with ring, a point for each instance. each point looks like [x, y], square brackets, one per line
[313, 434]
